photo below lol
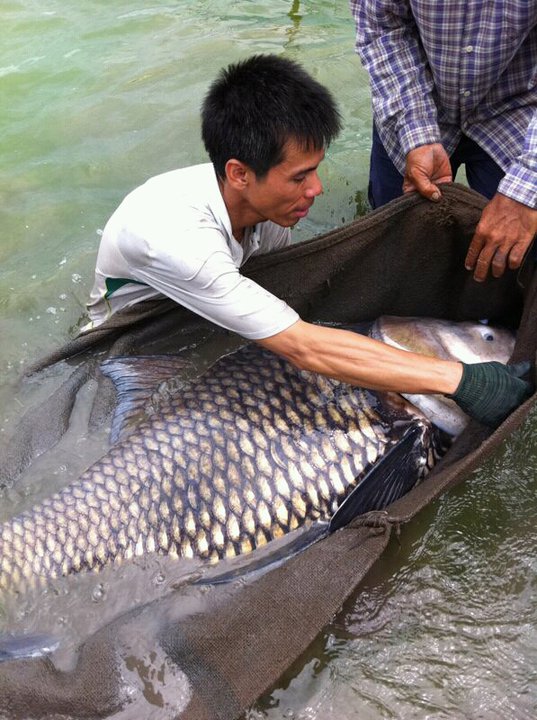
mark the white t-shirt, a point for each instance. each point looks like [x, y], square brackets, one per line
[172, 236]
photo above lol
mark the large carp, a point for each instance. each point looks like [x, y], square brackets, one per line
[248, 452]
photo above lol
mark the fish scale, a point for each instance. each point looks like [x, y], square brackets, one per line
[246, 453]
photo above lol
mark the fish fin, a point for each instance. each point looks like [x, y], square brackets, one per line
[389, 479]
[17, 647]
[255, 567]
[138, 380]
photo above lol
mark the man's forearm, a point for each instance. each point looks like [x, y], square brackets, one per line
[389, 47]
[362, 361]
[487, 391]
[520, 181]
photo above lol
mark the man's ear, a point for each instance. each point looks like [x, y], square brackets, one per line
[237, 174]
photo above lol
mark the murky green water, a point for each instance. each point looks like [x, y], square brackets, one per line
[96, 97]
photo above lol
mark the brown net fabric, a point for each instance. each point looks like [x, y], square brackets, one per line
[405, 259]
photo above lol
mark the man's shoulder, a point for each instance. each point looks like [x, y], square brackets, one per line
[168, 214]
[179, 196]
[187, 180]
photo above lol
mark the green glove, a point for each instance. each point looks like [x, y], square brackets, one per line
[489, 391]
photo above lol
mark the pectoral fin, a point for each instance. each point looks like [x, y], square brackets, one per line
[390, 478]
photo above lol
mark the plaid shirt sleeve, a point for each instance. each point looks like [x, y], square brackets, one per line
[388, 44]
[520, 181]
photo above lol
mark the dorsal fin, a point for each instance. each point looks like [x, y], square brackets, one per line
[136, 380]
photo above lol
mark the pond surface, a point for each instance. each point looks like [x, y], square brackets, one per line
[96, 97]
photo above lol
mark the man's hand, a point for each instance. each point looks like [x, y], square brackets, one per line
[502, 237]
[425, 166]
[489, 391]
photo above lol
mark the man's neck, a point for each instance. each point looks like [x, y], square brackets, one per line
[240, 216]
[238, 233]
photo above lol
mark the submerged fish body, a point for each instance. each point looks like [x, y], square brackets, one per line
[248, 452]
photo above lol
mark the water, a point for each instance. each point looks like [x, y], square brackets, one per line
[96, 97]
[444, 626]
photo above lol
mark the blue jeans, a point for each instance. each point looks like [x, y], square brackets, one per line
[386, 182]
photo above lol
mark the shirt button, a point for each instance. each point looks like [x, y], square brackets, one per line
[466, 93]
[469, 48]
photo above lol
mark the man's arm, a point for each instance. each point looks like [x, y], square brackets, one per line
[388, 43]
[488, 392]
[509, 221]
[360, 360]
[205, 279]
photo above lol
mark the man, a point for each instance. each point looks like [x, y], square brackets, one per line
[184, 234]
[452, 83]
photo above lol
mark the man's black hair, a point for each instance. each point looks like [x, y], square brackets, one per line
[255, 106]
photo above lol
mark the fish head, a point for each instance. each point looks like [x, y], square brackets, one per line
[468, 342]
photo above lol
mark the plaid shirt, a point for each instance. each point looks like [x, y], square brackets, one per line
[439, 68]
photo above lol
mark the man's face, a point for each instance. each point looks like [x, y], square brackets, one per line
[286, 193]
